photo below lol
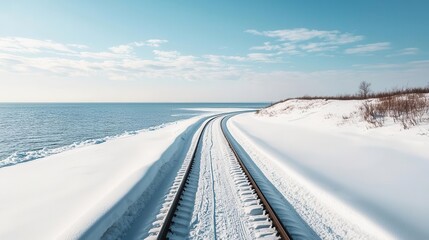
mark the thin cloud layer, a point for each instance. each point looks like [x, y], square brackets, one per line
[405, 52]
[33, 56]
[28, 45]
[302, 40]
[121, 62]
[304, 34]
[368, 48]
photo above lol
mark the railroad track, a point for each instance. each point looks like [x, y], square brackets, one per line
[174, 217]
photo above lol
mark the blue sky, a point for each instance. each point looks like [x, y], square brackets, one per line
[208, 50]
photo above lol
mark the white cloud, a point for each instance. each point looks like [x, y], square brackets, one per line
[28, 45]
[346, 38]
[48, 59]
[122, 49]
[263, 57]
[166, 54]
[304, 34]
[294, 35]
[289, 48]
[409, 51]
[405, 51]
[120, 62]
[100, 55]
[251, 57]
[78, 46]
[267, 47]
[155, 42]
[317, 47]
[151, 43]
[368, 48]
[128, 48]
[302, 40]
[219, 58]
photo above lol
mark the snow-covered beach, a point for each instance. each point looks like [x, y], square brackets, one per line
[345, 178]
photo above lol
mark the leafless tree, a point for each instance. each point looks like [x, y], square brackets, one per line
[364, 89]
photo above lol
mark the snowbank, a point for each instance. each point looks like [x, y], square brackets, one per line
[81, 192]
[344, 177]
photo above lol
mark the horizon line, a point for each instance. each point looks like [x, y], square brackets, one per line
[7, 102]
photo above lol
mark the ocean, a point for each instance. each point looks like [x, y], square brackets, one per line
[29, 131]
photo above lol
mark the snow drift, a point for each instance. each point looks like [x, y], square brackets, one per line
[81, 192]
[345, 177]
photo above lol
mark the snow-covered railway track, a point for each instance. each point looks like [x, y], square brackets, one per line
[214, 196]
[161, 227]
[282, 232]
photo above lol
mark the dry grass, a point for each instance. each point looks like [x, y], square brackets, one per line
[408, 109]
[394, 92]
[408, 106]
[358, 96]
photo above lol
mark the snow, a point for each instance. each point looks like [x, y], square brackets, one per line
[222, 110]
[60, 196]
[346, 178]
[81, 192]
[218, 201]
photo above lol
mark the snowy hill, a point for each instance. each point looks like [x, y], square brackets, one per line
[346, 177]
[346, 114]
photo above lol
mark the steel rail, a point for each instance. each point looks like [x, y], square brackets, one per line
[165, 229]
[283, 233]
[168, 219]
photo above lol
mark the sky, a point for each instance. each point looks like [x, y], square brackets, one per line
[208, 51]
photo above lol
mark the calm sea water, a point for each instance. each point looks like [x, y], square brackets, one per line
[30, 131]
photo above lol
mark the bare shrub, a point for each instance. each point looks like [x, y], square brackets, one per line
[371, 114]
[407, 109]
[393, 92]
[408, 106]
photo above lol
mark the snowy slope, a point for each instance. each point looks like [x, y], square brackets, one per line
[346, 178]
[62, 195]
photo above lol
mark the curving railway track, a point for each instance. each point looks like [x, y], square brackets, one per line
[215, 196]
